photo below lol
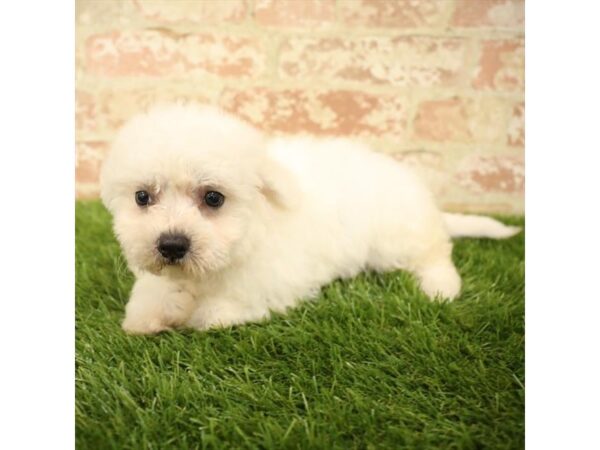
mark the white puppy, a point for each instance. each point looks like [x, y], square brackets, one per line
[221, 226]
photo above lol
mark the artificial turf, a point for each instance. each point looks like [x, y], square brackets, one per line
[371, 364]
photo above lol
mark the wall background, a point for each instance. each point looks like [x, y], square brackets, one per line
[436, 83]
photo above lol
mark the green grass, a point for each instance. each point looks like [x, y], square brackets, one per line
[371, 364]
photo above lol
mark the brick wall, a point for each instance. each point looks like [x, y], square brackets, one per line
[437, 83]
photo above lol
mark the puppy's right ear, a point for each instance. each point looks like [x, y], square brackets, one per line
[278, 184]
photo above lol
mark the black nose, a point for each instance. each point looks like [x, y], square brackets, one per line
[173, 246]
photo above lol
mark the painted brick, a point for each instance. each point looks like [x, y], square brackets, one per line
[154, 51]
[198, 12]
[463, 120]
[429, 166]
[87, 190]
[295, 13]
[394, 13]
[90, 155]
[107, 110]
[113, 13]
[319, 112]
[516, 126]
[397, 61]
[91, 150]
[161, 53]
[501, 66]
[489, 13]
[472, 204]
[87, 171]
[420, 158]
[85, 111]
[492, 173]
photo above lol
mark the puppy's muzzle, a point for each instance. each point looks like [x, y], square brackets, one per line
[173, 246]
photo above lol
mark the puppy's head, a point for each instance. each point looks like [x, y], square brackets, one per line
[188, 188]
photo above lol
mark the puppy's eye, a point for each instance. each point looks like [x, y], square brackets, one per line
[214, 199]
[142, 198]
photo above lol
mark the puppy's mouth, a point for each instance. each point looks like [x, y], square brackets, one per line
[174, 269]
[156, 263]
[172, 261]
[177, 267]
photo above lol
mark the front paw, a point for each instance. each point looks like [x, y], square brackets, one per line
[140, 327]
[156, 305]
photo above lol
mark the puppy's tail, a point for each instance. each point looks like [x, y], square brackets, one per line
[463, 225]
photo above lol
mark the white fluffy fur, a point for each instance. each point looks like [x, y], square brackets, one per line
[298, 213]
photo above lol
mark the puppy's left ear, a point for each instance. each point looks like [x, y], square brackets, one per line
[278, 184]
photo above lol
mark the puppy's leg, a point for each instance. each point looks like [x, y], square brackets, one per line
[426, 251]
[156, 304]
[220, 313]
[437, 274]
